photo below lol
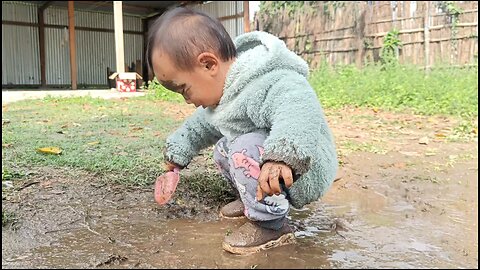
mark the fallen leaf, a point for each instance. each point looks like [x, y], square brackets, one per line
[423, 140]
[6, 144]
[375, 110]
[93, 143]
[137, 128]
[440, 135]
[50, 150]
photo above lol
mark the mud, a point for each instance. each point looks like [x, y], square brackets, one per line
[404, 204]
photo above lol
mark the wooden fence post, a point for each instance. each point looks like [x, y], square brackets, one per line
[394, 5]
[426, 35]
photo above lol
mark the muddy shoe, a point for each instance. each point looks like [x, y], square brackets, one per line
[233, 210]
[251, 238]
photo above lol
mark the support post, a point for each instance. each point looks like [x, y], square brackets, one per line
[246, 18]
[71, 31]
[118, 22]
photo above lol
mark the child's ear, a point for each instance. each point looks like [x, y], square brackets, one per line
[208, 62]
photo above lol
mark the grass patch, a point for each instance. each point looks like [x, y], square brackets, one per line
[465, 130]
[117, 140]
[8, 175]
[445, 91]
[155, 91]
[120, 138]
[9, 218]
[210, 186]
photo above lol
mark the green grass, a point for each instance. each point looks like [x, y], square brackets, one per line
[123, 138]
[116, 140]
[9, 218]
[402, 88]
[155, 91]
[445, 91]
[7, 175]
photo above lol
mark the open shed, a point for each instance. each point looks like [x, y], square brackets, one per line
[77, 44]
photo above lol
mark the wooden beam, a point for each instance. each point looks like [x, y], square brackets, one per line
[118, 24]
[46, 4]
[127, 7]
[246, 17]
[41, 41]
[71, 35]
[224, 18]
[59, 26]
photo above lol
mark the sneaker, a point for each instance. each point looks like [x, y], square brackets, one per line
[233, 210]
[251, 238]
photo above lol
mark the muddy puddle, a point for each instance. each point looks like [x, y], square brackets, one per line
[399, 204]
[385, 219]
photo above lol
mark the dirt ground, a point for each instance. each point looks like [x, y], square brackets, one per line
[407, 198]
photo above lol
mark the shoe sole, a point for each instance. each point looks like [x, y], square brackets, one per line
[283, 240]
[232, 218]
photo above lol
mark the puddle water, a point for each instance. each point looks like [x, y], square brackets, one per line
[379, 223]
[349, 228]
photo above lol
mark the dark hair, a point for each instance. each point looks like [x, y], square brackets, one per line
[183, 34]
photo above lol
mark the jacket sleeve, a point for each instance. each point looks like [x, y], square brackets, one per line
[194, 134]
[299, 132]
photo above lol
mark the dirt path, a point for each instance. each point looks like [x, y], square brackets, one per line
[408, 198]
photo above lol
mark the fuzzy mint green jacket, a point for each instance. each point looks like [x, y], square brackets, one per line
[266, 90]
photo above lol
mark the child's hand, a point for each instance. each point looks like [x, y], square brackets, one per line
[268, 181]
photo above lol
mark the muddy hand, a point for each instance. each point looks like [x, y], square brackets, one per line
[269, 180]
[165, 186]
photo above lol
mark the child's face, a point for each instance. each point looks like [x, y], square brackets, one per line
[202, 87]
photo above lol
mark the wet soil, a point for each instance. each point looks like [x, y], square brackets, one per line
[402, 201]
